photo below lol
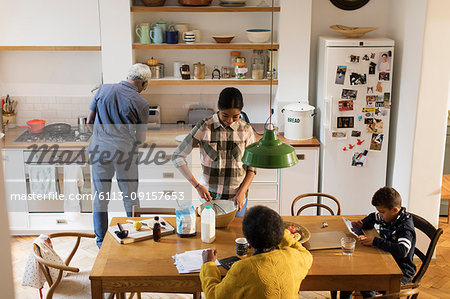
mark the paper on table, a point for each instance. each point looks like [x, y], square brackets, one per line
[354, 230]
[189, 261]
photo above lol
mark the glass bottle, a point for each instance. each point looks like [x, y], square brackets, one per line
[258, 64]
[233, 56]
[157, 230]
[240, 68]
[274, 58]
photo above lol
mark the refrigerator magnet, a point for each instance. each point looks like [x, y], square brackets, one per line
[368, 121]
[351, 146]
[370, 101]
[384, 62]
[340, 74]
[387, 100]
[359, 158]
[349, 94]
[365, 57]
[368, 109]
[372, 68]
[379, 104]
[358, 79]
[338, 135]
[345, 122]
[347, 105]
[384, 76]
[379, 87]
[372, 55]
[354, 58]
[376, 142]
[369, 89]
[375, 128]
[356, 133]
[359, 141]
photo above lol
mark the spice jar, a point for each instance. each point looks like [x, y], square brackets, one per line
[199, 70]
[233, 56]
[240, 68]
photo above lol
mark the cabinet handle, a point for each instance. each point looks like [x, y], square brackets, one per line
[301, 156]
[168, 175]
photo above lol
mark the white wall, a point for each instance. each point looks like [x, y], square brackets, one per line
[429, 141]
[6, 281]
[406, 27]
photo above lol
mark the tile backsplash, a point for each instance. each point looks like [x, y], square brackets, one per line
[174, 107]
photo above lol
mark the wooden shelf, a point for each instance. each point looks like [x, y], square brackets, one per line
[264, 46]
[50, 48]
[178, 81]
[202, 9]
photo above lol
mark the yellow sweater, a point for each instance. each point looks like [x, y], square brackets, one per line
[274, 274]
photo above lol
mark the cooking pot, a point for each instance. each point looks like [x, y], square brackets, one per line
[298, 121]
[35, 125]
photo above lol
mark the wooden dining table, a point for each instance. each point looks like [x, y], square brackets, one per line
[148, 266]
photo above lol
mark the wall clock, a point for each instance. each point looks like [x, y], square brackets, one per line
[349, 4]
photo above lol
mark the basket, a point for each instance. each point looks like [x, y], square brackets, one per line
[304, 232]
[352, 31]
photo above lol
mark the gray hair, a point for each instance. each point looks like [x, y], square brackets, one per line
[139, 72]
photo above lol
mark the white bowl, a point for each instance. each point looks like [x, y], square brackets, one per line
[258, 35]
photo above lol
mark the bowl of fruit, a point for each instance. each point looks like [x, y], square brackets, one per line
[299, 232]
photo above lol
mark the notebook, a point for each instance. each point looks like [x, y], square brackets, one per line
[325, 240]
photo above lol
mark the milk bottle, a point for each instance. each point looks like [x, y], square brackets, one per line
[208, 225]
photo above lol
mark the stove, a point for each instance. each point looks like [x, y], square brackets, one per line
[53, 137]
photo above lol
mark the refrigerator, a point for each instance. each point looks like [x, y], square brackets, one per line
[354, 79]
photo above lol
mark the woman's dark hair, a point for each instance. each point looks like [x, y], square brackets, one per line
[263, 227]
[230, 97]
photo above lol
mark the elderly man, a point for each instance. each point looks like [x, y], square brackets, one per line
[119, 116]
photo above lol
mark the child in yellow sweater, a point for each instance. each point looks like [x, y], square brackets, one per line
[275, 270]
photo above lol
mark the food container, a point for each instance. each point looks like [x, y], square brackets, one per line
[199, 70]
[195, 2]
[298, 121]
[35, 125]
[157, 71]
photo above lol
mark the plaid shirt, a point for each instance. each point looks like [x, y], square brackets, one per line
[221, 151]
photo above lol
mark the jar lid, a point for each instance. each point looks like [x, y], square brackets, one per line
[235, 53]
[300, 106]
[207, 207]
[239, 63]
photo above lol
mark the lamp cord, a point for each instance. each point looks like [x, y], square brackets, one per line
[271, 62]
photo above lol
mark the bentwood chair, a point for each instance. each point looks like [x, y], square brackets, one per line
[315, 204]
[402, 294]
[138, 211]
[44, 265]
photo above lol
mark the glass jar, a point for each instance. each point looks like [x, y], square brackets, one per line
[199, 70]
[233, 56]
[274, 58]
[258, 64]
[240, 68]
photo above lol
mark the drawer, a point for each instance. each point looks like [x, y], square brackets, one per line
[266, 175]
[263, 192]
[158, 156]
[270, 204]
[147, 173]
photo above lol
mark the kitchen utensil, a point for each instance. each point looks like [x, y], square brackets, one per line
[185, 72]
[35, 125]
[157, 71]
[156, 34]
[143, 32]
[82, 124]
[195, 2]
[122, 234]
[10, 119]
[189, 37]
[222, 218]
[258, 35]
[223, 39]
[57, 128]
[199, 70]
[197, 114]
[153, 2]
[352, 31]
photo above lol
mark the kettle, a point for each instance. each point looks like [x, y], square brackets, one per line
[156, 34]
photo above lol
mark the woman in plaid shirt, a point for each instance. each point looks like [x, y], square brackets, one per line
[222, 139]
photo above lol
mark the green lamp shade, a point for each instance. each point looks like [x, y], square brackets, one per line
[270, 152]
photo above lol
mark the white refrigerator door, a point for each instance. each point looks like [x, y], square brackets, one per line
[354, 185]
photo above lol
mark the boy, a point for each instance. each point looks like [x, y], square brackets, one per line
[397, 234]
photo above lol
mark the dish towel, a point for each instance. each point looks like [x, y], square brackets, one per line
[43, 180]
[33, 275]
[73, 186]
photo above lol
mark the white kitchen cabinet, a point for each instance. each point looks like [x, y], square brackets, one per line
[49, 23]
[299, 179]
[15, 186]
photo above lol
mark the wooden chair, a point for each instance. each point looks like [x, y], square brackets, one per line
[44, 265]
[310, 205]
[402, 294]
[138, 211]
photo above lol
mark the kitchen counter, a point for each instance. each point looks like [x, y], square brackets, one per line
[163, 137]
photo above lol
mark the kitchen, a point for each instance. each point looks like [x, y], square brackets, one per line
[60, 94]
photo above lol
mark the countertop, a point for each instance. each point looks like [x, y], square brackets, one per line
[163, 137]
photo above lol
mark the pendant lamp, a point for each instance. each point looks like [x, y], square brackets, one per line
[269, 151]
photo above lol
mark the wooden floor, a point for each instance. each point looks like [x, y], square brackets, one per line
[435, 284]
